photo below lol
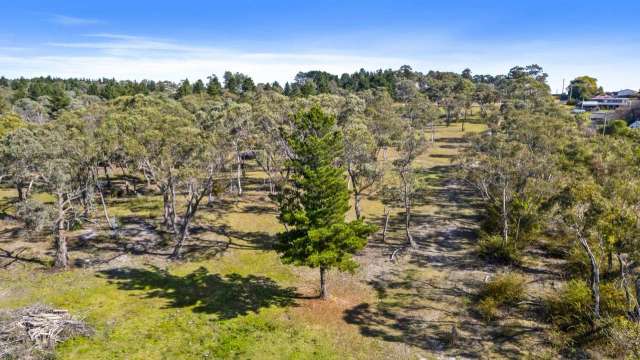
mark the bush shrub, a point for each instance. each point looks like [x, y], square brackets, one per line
[488, 309]
[624, 337]
[493, 248]
[504, 290]
[573, 306]
[570, 306]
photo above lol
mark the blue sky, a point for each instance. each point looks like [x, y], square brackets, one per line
[273, 40]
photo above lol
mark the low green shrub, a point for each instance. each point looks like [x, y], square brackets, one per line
[506, 289]
[493, 248]
[624, 337]
[572, 308]
[578, 262]
[488, 309]
[502, 291]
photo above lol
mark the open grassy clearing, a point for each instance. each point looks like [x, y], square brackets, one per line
[234, 299]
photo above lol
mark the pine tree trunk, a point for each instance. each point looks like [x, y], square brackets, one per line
[324, 292]
[595, 277]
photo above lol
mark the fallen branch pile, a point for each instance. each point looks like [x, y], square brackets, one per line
[31, 332]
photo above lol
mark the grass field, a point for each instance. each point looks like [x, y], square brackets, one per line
[232, 299]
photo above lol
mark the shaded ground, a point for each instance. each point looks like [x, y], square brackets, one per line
[425, 297]
[233, 298]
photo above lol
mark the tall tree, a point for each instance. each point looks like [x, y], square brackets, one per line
[184, 89]
[584, 88]
[213, 86]
[360, 160]
[313, 205]
[198, 87]
[410, 145]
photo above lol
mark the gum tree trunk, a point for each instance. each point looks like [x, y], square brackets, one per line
[239, 171]
[62, 255]
[623, 277]
[638, 298]
[595, 277]
[21, 196]
[386, 224]
[407, 213]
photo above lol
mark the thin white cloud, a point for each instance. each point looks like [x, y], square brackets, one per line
[73, 21]
[136, 57]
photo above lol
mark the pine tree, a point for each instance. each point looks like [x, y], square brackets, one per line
[59, 100]
[213, 86]
[248, 85]
[314, 203]
[184, 89]
[198, 87]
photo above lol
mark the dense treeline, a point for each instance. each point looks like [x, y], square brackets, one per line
[547, 179]
[304, 84]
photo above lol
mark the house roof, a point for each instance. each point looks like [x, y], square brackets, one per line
[626, 92]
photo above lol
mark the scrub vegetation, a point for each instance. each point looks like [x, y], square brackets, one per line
[390, 214]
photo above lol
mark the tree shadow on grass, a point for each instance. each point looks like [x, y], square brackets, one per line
[227, 296]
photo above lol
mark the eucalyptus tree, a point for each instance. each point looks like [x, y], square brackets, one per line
[270, 116]
[410, 144]
[154, 133]
[60, 175]
[464, 90]
[441, 88]
[420, 112]
[360, 159]
[21, 154]
[382, 120]
[32, 111]
[237, 124]
[198, 176]
[526, 88]
[485, 95]
[583, 206]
